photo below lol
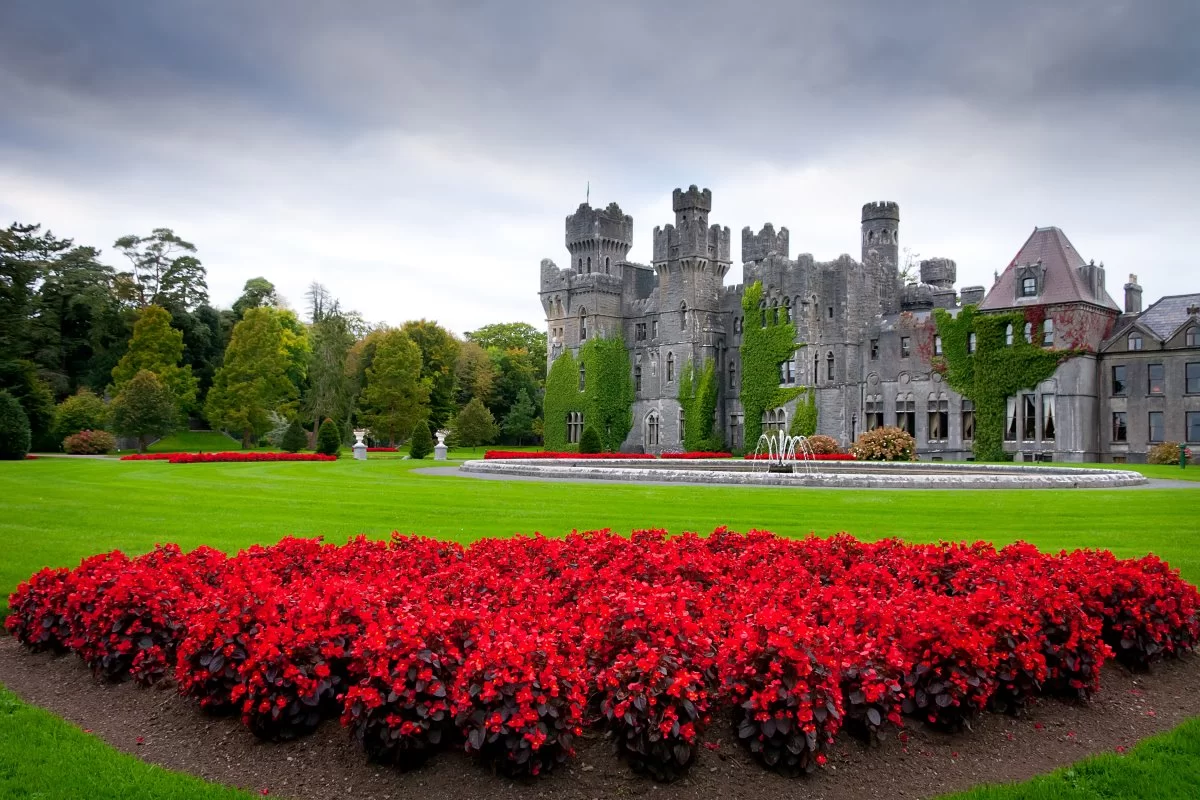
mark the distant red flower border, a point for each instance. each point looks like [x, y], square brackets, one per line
[814, 457]
[521, 454]
[383, 449]
[229, 457]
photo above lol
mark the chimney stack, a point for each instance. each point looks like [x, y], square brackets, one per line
[1133, 296]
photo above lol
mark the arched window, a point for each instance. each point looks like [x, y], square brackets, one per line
[637, 378]
[971, 342]
[732, 377]
[589, 265]
[1008, 332]
[581, 263]
[670, 367]
[829, 366]
[1029, 333]
[937, 345]
[1192, 337]
[939, 417]
[870, 236]
[682, 417]
[651, 435]
[582, 377]
[1135, 341]
[574, 426]
[683, 316]
[787, 311]
[582, 324]
[906, 413]
[762, 313]
[774, 312]
[1048, 332]
[606, 272]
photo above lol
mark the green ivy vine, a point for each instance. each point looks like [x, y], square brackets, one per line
[698, 398]
[996, 370]
[606, 400]
[804, 421]
[766, 344]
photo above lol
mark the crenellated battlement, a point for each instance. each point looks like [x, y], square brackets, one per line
[693, 198]
[757, 246]
[939, 272]
[691, 239]
[589, 223]
[881, 209]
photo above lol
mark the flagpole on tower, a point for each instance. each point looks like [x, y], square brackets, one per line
[588, 197]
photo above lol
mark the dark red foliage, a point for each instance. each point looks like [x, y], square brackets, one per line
[148, 456]
[511, 454]
[213, 458]
[37, 611]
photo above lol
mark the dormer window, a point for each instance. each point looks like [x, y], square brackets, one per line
[1135, 341]
[1029, 287]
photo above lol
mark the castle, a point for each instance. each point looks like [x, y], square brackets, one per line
[865, 339]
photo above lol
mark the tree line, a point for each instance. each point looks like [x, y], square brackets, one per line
[141, 351]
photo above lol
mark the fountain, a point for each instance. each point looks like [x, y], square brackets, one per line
[784, 452]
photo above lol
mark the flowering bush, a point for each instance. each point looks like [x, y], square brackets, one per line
[212, 458]
[823, 445]
[512, 646]
[89, 443]
[383, 449]
[1165, 453]
[885, 444]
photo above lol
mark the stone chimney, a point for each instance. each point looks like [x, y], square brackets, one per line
[972, 295]
[1133, 296]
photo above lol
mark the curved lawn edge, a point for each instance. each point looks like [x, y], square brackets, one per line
[42, 755]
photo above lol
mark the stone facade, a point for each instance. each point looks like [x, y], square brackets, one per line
[864, 340]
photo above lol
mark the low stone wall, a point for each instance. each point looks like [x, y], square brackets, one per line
[834, 475]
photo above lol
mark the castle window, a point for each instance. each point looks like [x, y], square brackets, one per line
[1008, 333]
[639, 332]
[735, 431]
[937, 345]
[670, 367]
[1118, 380]
[1135, 341]
[654, 328]
[606, 272]
[681, 421]
[829, 366]
[1156, 377]
[775, 312]
[968, 420]
[732, 377]
[870, 236]
[737, 324]
[874, 411]
[874, 349]
[905, 346]
[1192, 426]
[1029, 287]
[971, 342]
[1029, 412]
[581, 263]
[1191, 374]
[652, 430]
[1048, 418]
[683, 316]
[1120, 431]
[906, 413]
[1029, 333]
[574, 427]
[1192, 337]
[831, 312]
[589, 265]
[582, 324]
[787, 311]
[582, 378]
[1155, 424]
[1010, 419]
[762, 312]
[637, 378]
[1047, 332]
[939, 417]
[787, 371]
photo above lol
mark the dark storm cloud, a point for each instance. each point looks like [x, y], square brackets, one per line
[461, 128]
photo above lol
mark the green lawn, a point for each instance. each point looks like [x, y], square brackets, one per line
[194, 442]
[56, 511]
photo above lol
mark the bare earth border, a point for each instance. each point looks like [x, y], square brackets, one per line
[162, 728]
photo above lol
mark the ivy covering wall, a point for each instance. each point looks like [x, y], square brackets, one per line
[606, 400]
[804, 421]
[765, 345]
[698, 398]
[996, 370]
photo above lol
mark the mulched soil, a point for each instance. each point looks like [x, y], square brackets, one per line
[158, 726]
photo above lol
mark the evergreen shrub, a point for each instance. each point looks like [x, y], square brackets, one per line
[329, 441]
[294, 438]
[589, 441]
[14, 429]
[421, 444]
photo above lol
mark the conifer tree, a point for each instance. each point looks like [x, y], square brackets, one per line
[157, 348]
[421, 444]
[395, 396]
[253, 381]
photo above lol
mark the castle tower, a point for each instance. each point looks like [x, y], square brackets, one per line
[881, 252]
[599, 239]
[691, 257]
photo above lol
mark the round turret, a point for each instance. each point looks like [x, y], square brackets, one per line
[881, 210]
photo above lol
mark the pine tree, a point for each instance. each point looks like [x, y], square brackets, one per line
[158, 348]
[519, 421]
[474, 425]
[395, 396]
[422, 441]
[145, 408]
[14, 429]
[253, 380]
[589, 441]
[329, 441]
[294, 438]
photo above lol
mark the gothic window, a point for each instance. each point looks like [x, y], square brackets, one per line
[971, 342]
[774, 312]
[831, 312]
[787, 311]
[637, 378]
[683, 316]
[1135, 341]
[870, 236]
[639, 332]
[1048, 418]
[574, 426]
[737, 324]
[787, 371]
[670, 367]
[829, 365]
[652, 430]
[681, 421]
[1008, 333]
[1029, 412]
[582, 379]
[1048, 332]
[762, 312]
[606, 272]
[589, 265]
[1029, 333]
[581, 263]
[582, 324]
[1010, 419]
[939, 417]
[968, 420]
[906, 413]
[735, 431]
[1192, 337]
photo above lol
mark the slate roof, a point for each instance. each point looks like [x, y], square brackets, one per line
[1167, 315]
[1063, 283]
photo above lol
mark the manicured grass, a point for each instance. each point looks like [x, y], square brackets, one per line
[194, 442]
[56, 511]
[43, 757]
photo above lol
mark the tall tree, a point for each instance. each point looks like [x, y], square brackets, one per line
[515, 372]
[158, 348]
[514, 336]
[165, 271]
[320, 303]
[144, 408]
[205, 335]
[519, 422]
[329, 386]
[439, 351]
[474, 425]
[257, 293]
[296, 347]
[253, 381]
[25, 253]
[395, 396]
[474, 374]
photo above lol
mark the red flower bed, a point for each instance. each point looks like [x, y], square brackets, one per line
[148, 456]
[511, 647]
[813, 457]
[213, 458]
[697, 454]
[549, 454]
[383, 449]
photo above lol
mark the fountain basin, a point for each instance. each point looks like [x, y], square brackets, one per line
[827, 474]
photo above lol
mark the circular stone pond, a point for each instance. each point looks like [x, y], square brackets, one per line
[828, 474]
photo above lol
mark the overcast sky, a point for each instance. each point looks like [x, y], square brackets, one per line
[418, 158]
